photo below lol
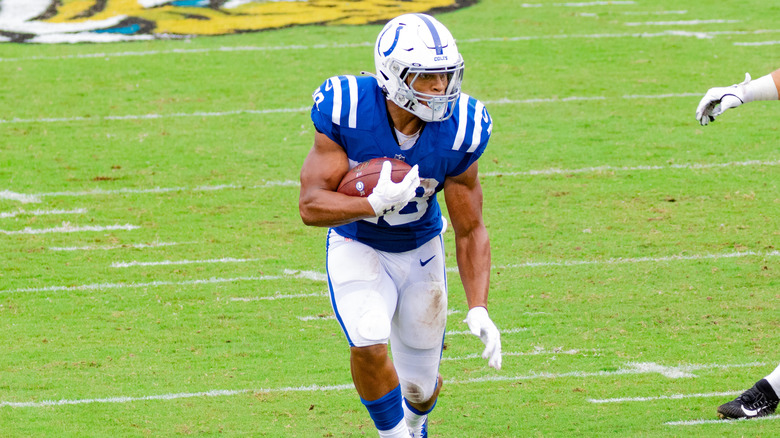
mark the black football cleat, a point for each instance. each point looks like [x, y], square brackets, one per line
[752, 403]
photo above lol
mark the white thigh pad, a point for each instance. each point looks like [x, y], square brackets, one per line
[422, 315]
[365, 316]
[364, 296]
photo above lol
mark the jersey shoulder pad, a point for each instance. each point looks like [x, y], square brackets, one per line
[472, 125]
[346, 101]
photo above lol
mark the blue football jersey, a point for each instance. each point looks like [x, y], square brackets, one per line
[352, 111]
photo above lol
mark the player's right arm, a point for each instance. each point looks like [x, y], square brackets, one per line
[319, 203]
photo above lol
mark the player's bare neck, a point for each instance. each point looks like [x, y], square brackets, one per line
[403, 120]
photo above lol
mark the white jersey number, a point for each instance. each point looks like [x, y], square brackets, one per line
[420, 204]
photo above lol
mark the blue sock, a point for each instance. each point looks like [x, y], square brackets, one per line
[387, 411]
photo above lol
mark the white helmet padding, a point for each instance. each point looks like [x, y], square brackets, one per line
[410, 45]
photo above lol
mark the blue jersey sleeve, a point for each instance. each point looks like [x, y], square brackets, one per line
[335, 106]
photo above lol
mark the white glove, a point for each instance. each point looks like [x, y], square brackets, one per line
[388, 196]
[481, 325]
[719, 99]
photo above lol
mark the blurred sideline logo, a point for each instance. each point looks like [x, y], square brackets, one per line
[74, 21]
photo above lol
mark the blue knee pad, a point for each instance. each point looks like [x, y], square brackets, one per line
[387, 411]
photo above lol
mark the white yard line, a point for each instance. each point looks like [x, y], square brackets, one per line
[213, 393]
[664, 397]
[729, 422]
[642, 35]
[110, 247]
[609, 168]
[68, 228]
[502, 331]
[631, 369]
[103, 286]
[621, 260]
[654, 12]
[659, 96]
[291, 183]
[317, 318]
[319, 276]
[577, 4]
[180, 262]
[20, 197]
[536, 352]
[507, 101]
[758, 43]
[279, 296]
[107, 55]
[681, 23]
[100, 192]
[10, 214]
[157, 116]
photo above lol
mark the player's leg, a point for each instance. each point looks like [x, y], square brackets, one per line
[364, 299]
[418, 332]
[416, 414]
[758, 401]
[774, 380]
[372, 371]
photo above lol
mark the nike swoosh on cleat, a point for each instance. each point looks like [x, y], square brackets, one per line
[423, 263]
[751, 412]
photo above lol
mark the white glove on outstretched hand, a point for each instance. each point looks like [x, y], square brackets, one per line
[388, 196]
[719, 99]
[481, 325]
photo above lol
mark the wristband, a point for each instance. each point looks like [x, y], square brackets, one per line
[762, 88]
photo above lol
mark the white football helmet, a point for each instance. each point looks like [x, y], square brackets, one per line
[415, 44]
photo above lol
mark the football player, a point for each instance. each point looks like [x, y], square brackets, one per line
[762, 398]
[385, 252]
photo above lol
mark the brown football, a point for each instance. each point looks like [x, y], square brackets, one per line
[361, 179]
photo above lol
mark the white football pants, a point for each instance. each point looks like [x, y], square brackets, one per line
[401, 297]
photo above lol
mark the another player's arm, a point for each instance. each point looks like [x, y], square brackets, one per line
[463, 195]
[776, 78]
[319, 202]
[719, 99]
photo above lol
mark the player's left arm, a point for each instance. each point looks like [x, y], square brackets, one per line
[463, 195]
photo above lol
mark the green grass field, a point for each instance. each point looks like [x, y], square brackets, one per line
[156, 279]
